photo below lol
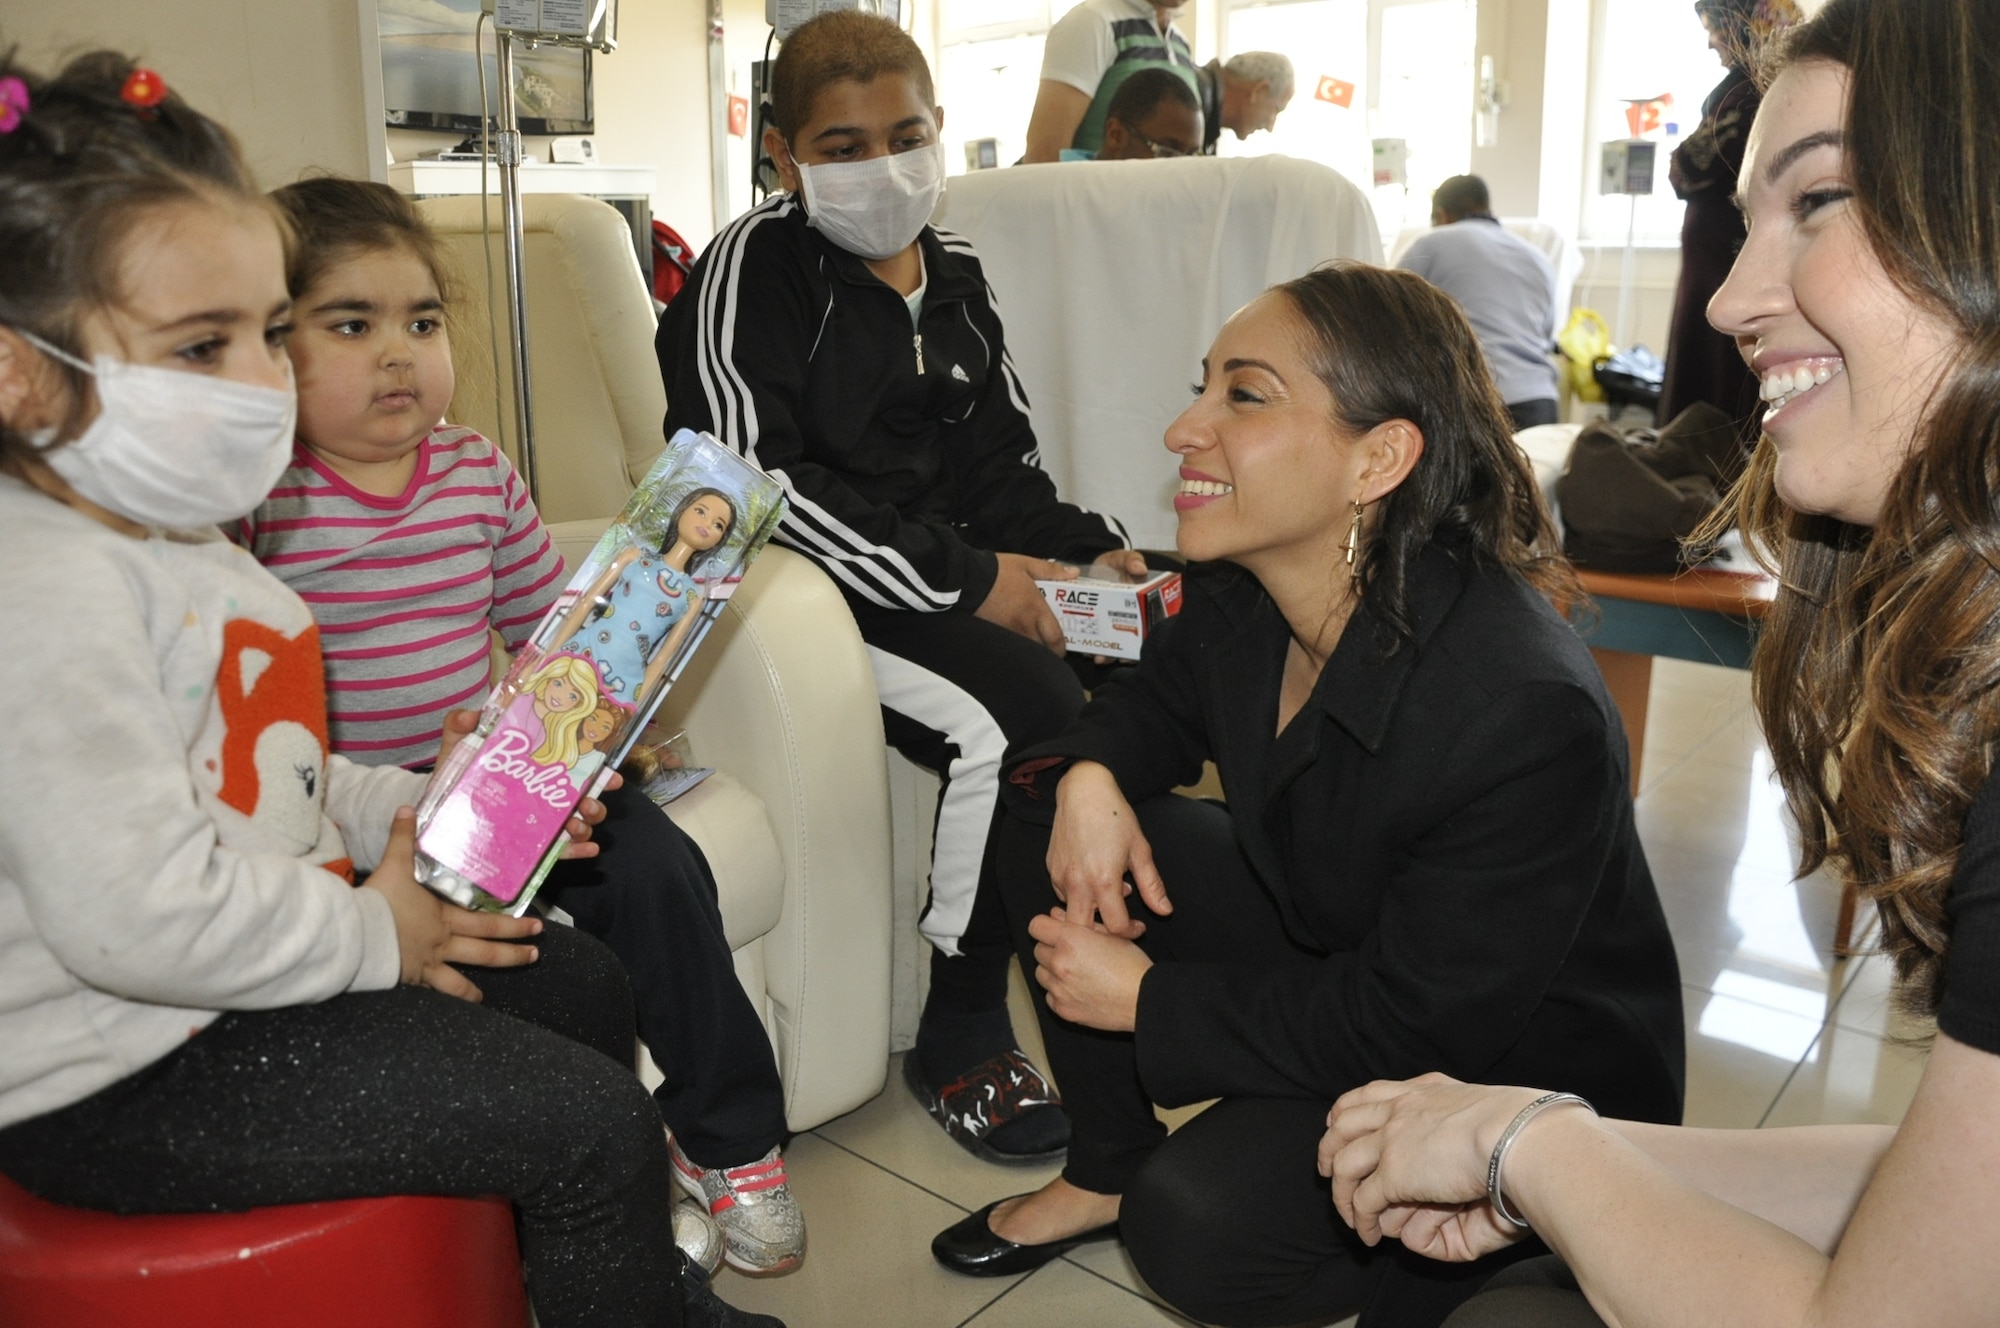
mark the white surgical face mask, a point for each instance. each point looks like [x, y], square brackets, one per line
[876, 207]
[177, 449]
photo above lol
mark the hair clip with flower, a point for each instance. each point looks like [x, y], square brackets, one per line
[143, 90]
[14, 103]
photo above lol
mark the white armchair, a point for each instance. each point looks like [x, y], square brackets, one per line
[1113, 277]
[780, 697]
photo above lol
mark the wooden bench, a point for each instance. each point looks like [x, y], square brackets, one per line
[1705, 616]
[1708, 617]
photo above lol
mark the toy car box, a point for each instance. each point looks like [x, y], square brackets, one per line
[1105, 612]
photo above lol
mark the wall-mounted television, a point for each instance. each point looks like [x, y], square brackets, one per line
[429, 80]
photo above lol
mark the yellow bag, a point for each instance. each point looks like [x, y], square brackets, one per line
[1584, 340]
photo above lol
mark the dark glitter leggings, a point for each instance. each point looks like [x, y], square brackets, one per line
[405, 1092]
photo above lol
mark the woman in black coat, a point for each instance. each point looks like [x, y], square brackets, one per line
[1427, 857]
[1702, 363]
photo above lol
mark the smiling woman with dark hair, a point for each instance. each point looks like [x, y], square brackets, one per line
[1427, 854]
[1867, 300]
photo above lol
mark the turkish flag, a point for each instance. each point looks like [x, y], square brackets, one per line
[739, 116]
[1642, 117]
[1335, 91]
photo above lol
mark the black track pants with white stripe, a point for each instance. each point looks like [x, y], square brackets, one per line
[957, 692]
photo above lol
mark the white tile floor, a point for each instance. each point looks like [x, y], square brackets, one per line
[1779, 1033]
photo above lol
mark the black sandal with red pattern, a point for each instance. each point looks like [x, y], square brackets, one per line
[995, 1093]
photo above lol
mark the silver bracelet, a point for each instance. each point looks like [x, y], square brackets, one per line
[1506, 1141]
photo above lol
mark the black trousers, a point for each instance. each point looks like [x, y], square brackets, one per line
[957, 692]
[1228, 1218]
[650, 896]
[1540, 1293]
[530, 1095]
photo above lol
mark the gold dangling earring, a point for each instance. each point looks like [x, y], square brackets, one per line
[1354, 544]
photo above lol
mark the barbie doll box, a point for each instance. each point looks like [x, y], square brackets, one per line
[1105, 612]
[490, 824]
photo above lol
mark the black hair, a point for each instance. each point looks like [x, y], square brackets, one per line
[1388, 345]
[1462, 196]
[1142, 92]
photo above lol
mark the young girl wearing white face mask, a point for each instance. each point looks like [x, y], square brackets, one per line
[853, 351]
[198, 1010]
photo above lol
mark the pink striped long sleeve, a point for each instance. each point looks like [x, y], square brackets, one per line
[405, 588]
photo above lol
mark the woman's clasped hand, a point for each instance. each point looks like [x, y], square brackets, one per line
[1409, 1161]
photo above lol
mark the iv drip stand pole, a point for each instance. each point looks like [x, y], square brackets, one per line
[1624, 341]
[507, 150]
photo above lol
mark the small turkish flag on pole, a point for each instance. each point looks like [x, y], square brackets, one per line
[1335, 91]
[1644, 115]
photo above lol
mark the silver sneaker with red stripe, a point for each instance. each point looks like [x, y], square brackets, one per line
[763, 1230]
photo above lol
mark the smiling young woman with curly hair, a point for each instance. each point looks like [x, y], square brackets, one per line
[1867, 299]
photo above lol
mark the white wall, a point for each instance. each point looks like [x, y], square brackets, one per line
[1515, 34]
[653, 107]
[1650, 306]
[287, 76]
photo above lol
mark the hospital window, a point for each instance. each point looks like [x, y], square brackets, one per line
[1643, 48]
[989, 64]
[1368, 69]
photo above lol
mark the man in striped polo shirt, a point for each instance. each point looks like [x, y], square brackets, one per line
[1091, 51]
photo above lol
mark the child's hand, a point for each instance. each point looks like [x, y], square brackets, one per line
[432, 934]
[421, 933]
[588, 813]
[1129, 561]
[1016, 603]
[481, 940]
[458, 725]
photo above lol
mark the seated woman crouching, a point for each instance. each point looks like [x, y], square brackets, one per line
[1427, 858]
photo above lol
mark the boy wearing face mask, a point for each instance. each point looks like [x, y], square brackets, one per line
[853, 351]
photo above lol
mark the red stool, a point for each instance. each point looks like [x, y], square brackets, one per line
[401, 1262]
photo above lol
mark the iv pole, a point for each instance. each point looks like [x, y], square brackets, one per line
[507, 152]
[593, 25]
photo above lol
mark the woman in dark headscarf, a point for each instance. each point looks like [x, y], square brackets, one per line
[1702, 364]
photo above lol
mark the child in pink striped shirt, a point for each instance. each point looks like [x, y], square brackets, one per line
[409, 539]
[407, 563]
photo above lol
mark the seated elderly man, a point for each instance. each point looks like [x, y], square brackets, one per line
[1244, 95]
[1153, 115]
[1506, 287]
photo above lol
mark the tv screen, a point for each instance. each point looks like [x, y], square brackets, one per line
[429, 80]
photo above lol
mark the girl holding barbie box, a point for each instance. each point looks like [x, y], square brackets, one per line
[199, 1011]
[414, 542]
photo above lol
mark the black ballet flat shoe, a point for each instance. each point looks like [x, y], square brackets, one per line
[970, 1247]
[1002, 1110]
